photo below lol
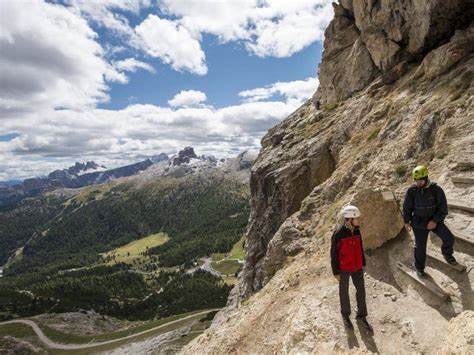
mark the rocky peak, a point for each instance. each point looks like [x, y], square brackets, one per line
[184, 156]
[370, 38]
[80, 168]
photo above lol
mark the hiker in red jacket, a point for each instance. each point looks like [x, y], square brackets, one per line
[348, 261]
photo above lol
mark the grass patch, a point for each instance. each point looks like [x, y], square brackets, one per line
[16, 330]
[401, 170]
[133, 251]
[226, 267]
[331, 106]
[91, 193]
[218, 257]
[237, 252]
[373, 134]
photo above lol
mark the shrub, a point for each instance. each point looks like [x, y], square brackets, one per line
[401, 170]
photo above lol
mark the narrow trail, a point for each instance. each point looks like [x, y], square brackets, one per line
[53, 345]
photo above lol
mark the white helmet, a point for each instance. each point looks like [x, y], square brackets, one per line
[350, 212]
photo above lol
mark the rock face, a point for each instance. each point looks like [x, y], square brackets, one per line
[396, 88]
[368, 38]
[381, 220]
[278, 187]
[461, 334]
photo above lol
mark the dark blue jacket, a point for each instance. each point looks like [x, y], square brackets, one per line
[422, 205]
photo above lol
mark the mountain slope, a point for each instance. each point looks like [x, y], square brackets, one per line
[62, 263]
[407, 105]
[78, 175]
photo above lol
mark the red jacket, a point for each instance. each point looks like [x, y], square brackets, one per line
[347, 251]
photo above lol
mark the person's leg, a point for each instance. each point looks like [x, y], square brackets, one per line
[421, 237]
[358, 280]
[344, 294]
[447, 238]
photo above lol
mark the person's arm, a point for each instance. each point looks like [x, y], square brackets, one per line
[362, 248]
[441, 206]
[408, 207]
[334, 261]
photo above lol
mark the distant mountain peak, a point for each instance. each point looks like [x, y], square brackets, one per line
[184, 156]
[81, 168]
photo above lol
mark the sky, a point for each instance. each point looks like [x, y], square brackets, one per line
[117, 81]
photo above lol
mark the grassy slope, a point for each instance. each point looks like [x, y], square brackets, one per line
[229, 265]
[133, 250]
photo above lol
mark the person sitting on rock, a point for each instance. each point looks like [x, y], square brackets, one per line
[348, 261]
[424, 210]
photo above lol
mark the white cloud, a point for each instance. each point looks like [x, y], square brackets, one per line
[227, 19]
[267, 28]
[132, 64]
[294, 91]
[104, 13]
[172, 43]
[116, 137]
[49, 58]
[187, 98]
[285, 28]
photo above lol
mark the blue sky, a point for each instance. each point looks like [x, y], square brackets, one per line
[224, 80]
[116, 81]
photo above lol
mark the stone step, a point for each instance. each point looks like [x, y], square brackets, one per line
[463, 236]
[460, 205]
[439, 258]
[462, 180]
[424, 281]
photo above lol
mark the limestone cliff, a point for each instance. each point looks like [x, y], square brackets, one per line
[396, 91]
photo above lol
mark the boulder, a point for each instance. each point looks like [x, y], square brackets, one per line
[381, 217]
[441, 59]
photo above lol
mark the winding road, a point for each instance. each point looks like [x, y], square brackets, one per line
[53, 345]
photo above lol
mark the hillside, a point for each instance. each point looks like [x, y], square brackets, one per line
[396, 91]
[128, 248]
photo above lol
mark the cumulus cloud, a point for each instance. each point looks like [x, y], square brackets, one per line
[172, 43]
[294, 91]
[132, 64]
[284, 28]
[187, 98]
[49, 57]
[104, 12]
[267, 28]
[226, 19]
[118, 137]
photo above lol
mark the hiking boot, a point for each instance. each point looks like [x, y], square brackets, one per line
[450, 260]
[421, 273]
[347, 323]
[363, 321]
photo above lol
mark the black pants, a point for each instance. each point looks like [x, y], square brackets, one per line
[421, 238]
[358, 281]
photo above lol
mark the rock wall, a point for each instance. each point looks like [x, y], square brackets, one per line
[369, 46]
[368, 38]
